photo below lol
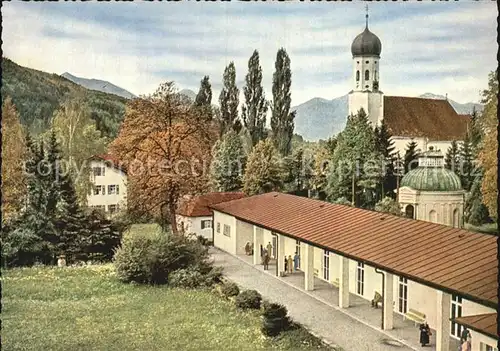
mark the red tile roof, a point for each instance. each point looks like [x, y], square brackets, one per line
[419, 117]
[483, 323]
[198, 206]
[443, 257]
[111, 161]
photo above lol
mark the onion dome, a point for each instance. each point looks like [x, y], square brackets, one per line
[366, 44]
[431, 175]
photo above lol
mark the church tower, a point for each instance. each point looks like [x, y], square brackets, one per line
[366, 49]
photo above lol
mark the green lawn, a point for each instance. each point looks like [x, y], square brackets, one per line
[86, 308]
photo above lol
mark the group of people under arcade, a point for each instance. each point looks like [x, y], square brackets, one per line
[465, 337]
[291, 264]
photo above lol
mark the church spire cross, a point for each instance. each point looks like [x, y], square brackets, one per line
[366, 8]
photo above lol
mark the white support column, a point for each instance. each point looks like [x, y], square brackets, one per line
[308, 267]
[443, 321]
[388, 298]
[343, 282]
[331, 267]
[258, 239]
[280, 261]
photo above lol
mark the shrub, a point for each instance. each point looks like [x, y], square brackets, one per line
[149, 257]
[275, 319]
[202, 240]
[230, 289]
[249, 299]
[192, 278]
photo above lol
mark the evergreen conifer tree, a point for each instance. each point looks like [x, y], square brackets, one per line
[466, 164]
[355, 156]
[476, 133]
[228, 164]
[411, 156]
[476, 212]
[229, 100]
[452, 158]
[282, 120]
[385, 146]
[255, 108]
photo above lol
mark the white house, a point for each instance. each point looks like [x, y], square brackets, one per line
[428, 122]
[444, 275]
[195, 216]
[109, 184]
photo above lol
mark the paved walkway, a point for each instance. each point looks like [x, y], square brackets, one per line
[354, 329]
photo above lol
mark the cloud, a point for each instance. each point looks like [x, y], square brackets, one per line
[426, 47]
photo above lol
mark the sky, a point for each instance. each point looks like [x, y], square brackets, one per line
[438, 47]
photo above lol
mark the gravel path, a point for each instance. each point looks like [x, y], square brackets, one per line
[333, 326]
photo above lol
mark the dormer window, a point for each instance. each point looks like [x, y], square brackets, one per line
[367, 75]
[357, 76]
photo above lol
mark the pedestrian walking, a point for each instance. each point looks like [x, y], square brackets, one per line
[247, 248]
[290, 264]
[269, 248]
[286, 264]
[296, 259]
[266, 261]
[425, 332]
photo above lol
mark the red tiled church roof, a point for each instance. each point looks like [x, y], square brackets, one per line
[198, 206]
[443, 257]
[419, 117]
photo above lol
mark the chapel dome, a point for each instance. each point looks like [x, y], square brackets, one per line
[366, 44]
[431, 175]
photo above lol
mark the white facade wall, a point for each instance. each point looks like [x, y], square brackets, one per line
[448, 206]
[362, 64]
[371, 102]
[193, 225]
[112, 176]
[480, 341]
[225, 242]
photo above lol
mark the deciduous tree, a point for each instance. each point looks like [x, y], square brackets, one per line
[488, 155]
[264, 171]
[255, 108]
[228, 164]
[282, 120]
[166, 146]
[13, 157]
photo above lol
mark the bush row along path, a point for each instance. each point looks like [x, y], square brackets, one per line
[333, 326]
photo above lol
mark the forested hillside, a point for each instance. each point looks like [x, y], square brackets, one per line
[38, 94]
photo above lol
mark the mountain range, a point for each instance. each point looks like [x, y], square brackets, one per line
[99, 85]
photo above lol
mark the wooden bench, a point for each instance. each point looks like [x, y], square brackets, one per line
[415, 316]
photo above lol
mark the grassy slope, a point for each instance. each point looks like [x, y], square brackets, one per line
[86, 308]
[38, 94]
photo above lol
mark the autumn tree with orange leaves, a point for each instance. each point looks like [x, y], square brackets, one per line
[165, 143]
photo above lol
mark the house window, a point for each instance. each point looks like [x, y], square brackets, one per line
[456, 312]
[206, 224]
[360, 278]
[218, 227]
[455, 218]
[357, 76]
[113, 189]
[99, 207]
[99, 171]
[367, 62]
[403, 295]
[433, 216]
[367, 75]
[99, 190]
[112, 209]
[326, 265]
[227, 230]
[410, 212]
[486, 347]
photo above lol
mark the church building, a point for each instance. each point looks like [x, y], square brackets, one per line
[428, 122]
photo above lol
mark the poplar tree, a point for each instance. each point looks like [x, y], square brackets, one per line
[255, 108]
[229, 100]
[203, 99]
[282, 120]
